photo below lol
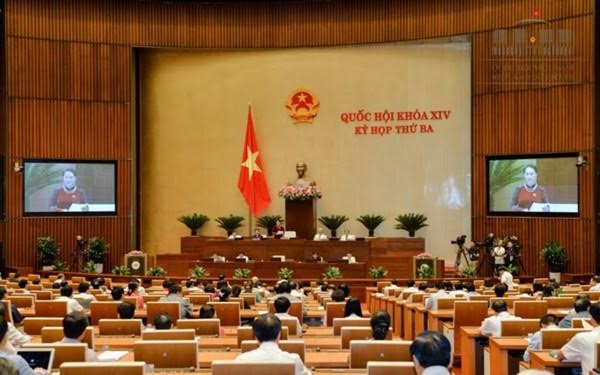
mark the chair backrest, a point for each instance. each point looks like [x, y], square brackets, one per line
[417, 297]
[42, 295]
[33, 326]
[167, 354]
[232, 367]
[541, 280]
[23, 300]
[103, 298]
[447, 303]
[33, 276]
[227, 312]
[246, 333]
[152, 297]
[359, 333]
[382, 284]
[203, 327]
[77, 279]
[99, 368]
[334, 310]
[250, 298]
[155, 308]
[130, 299]
[157, 282]
[519, 327]
[51, 309]
[54, 334]
[295, 309]
[239, 300]
[530, 309]
[390, 368]
[119, 327]
[291, 324]
[63, 352]
[578, 322]
[198, 299]
[338, 323]
[467, 313]
[103, 310]
[363, 351]
[290, 346]
[169, 334]
[480, 298]
[559, 302]
[594, 295]
[556, 338]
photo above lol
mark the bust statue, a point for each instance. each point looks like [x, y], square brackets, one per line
[301, 169]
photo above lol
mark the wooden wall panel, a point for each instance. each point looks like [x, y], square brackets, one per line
[76, 129]
[69, 67]
[64, 230]
[65, 70]
[272, 25]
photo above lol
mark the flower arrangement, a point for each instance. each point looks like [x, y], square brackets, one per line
[424, 271]
[299, 192]
[135, 252]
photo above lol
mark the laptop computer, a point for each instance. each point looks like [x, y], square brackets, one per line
[37, 357]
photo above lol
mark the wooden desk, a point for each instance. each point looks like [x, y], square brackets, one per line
[435, 318]
[420, 324]
[499, 354]
[471, 355]
[399, 318]
[409, 316]
[542, 360]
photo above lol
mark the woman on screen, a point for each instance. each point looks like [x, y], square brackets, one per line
[530, 192]
[63, 197]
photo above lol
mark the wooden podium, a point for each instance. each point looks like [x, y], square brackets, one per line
[137, 263]
[301, 217]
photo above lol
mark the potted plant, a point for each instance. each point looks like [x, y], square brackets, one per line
[121, 270]
[332, 273]
[285, 273]
[97, 251]
[333, 222]
[47, 251]
[229, 223]
[371, 222]
[89, 267]
[156, 271]
[268, 222]
[241, 273]
[556, 257]
[61, 266]
[194, 222]
[411, 223]
[469, 271]
[377, 272]
[198, 272]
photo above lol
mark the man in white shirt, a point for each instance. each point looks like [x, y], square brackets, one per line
[267, 328]
[491, 325]
[320, 236]
[595, 284]
[66, 294]
[74, 325]
[443, 288]
[431, 353]
[350, 258]
[83, 297]
[547, 321]
[505, 277]
[347, 236]
[582, 347]
[282, 306]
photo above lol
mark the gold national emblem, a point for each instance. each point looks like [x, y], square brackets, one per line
[302, 106]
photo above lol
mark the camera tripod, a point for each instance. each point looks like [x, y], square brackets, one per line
[461, 251]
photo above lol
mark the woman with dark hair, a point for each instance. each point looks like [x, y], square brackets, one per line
[224, 294]
[529, 192]
[380, 324]
[63, 197]
[353, 309]
[132, 291]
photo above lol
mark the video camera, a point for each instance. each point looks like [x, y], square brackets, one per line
[459, 241]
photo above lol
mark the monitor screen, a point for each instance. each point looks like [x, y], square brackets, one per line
[536, 185]
[69, 187]
[38, 357]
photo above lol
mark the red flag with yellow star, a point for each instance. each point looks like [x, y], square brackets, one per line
[252, 182]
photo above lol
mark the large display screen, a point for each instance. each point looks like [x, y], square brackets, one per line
[69, 187]
[533, 185]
